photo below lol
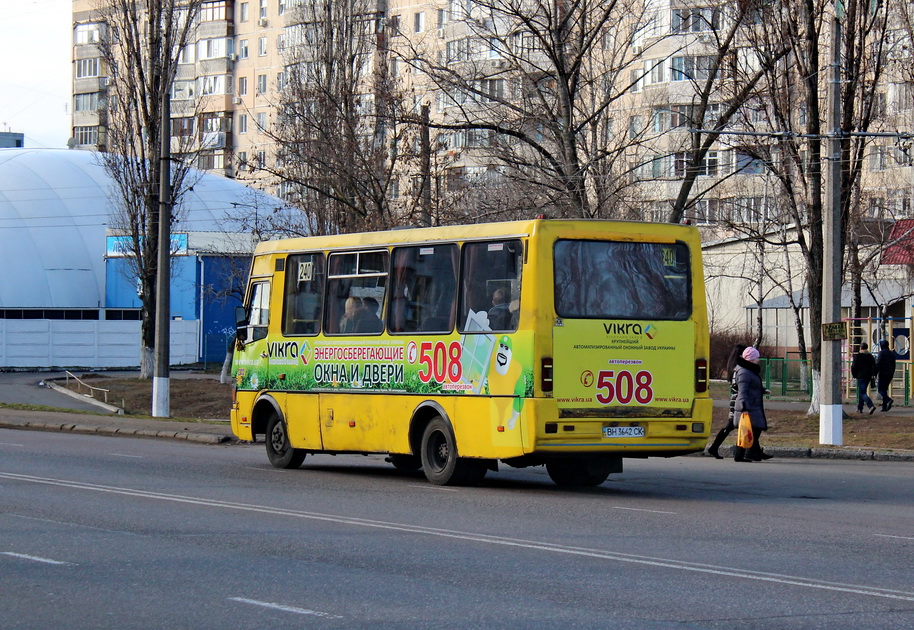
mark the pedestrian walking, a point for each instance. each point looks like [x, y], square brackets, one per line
[730, 426]
[863, 368]
[750, 394]
[885, 373]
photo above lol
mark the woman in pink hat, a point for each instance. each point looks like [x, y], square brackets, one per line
[750, 393]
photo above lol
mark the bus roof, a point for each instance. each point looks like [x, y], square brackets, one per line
[505, 229]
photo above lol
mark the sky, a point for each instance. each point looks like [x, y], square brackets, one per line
[35, 75]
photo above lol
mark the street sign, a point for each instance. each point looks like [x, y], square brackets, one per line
[836, 331]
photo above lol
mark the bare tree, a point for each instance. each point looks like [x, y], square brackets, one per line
[790, 124]
[140, 47]
[532, 87]
[336, 147]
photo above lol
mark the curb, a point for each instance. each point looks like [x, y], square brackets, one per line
[187, 436]
[827, 452]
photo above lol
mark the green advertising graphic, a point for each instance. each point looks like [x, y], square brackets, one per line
[483, 363]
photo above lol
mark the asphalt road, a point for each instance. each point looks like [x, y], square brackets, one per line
[129, 533]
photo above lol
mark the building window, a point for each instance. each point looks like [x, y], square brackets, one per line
[280, 80]
[262, 46]
[263, 9]
[243, 12]
[187, 54]
[242, 158]
[261, 158]
[212, 11]
[182, 90]
[654, 71]
[87, 34]
[242, 49]
[419, 22]
[211, 160]
[692, 68]
[747, 164]
[261, 84]
[85, 135]
[261, 120]
[87, 67]
[182, 127]
[242, 123]
[86, 102]
[282, 7]
[242, 86]
[709, 165]
[213, 84]
[635, 127]
[695, 19]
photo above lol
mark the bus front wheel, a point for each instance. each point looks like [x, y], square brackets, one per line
[579, 473]
[279, 450]
[440, 461]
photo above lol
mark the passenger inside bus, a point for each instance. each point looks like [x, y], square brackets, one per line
[351, 315]
[367, 320]
[500, 314]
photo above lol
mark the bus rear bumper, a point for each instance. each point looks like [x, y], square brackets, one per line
[624, 434]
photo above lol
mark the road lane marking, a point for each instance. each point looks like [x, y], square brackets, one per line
[25, 556]
[98, 529]
[901, 537]
[124, 455]
[616, 507]
[11, 444]
[284, 608]
[666, 563]
[428, 486]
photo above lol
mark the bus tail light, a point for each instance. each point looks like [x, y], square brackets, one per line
[546, 373]
[701, 375]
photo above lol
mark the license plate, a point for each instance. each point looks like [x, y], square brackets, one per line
[623, 432]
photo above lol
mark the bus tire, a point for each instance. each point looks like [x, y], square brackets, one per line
[279, 450]
[405, 463]
[440, 461]
[578, 473]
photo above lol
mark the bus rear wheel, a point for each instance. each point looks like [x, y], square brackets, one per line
[279, 450]
[578, 473]
[440, 461]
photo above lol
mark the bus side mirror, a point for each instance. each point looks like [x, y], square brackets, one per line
[241, 316]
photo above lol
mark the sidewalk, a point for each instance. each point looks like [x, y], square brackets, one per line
[201, 432]
[30, 388]
[25, 388]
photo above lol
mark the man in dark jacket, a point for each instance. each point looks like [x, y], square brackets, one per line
[885, 372]
[864, 370]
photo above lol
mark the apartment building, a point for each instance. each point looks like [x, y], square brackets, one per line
[231, 79]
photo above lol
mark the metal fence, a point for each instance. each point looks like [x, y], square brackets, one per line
[792, 378]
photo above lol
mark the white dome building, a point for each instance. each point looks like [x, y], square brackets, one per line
[55, 263]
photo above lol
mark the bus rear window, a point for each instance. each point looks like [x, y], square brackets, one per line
[615, 279]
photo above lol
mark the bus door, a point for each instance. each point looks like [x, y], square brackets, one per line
[252, 360]
[624, 340]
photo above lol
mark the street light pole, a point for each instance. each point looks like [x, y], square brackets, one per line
[831, 414]
[161, 395]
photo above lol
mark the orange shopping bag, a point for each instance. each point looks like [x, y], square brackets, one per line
[744, 435]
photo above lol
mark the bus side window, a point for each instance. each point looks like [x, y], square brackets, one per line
[356, 287]
[304, 296]
[490, 284]
[258, 313]
[423, 288]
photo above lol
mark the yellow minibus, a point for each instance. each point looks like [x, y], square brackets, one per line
[566, 343]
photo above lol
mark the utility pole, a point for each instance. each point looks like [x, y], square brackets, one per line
[831, 414]
[425, 150]
[161, 395]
